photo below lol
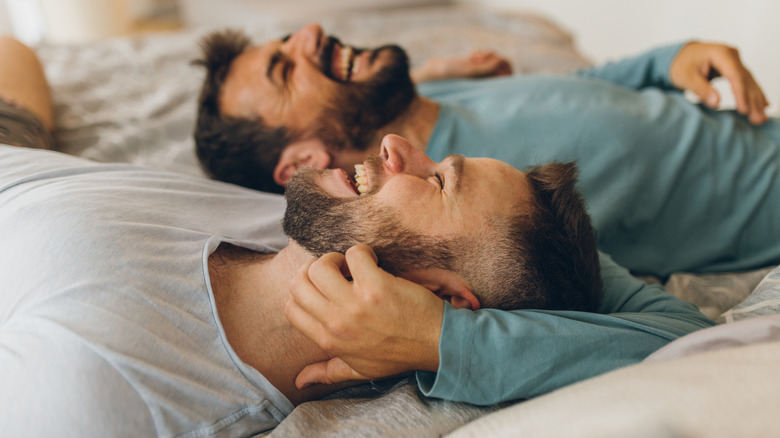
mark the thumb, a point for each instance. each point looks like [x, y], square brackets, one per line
[702, 88]
[327, 372]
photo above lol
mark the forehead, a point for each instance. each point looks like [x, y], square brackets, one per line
[491, 187]
[246, 85]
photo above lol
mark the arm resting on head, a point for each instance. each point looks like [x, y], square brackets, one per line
[491, 356]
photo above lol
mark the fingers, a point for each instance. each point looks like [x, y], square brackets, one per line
[312, 291]
[693, 65]
[329, 372]
[305, 292]
[321, 291]
[748, 96]
[752, 103]
[323, 280]
[304, 322]
[702, 88]
[363, 263]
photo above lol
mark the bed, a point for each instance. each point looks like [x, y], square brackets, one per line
[132, 99]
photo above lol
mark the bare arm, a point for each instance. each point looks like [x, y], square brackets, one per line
[23, 81]
[478, 64]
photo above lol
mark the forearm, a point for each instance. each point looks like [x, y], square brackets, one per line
[650, 69]
[478, 64]
[491, 356]
[422, 74]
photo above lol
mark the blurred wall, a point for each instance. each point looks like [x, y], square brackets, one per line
[196, 13]
[5, 20]
[83, 21]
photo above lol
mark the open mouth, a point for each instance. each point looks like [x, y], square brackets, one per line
[358, 184]
[342, 61]
[339, 183]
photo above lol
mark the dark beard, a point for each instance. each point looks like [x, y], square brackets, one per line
[322, 223]
[317, 221]
[352, 120]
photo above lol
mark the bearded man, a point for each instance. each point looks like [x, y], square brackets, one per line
[670, 185]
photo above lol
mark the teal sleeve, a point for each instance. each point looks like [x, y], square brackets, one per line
[650, 69]
[490, 356]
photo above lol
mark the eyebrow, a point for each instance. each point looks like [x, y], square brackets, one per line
[456, 162]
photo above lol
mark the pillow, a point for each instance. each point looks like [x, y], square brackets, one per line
[764, 300]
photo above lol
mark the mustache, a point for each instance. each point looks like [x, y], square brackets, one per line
[373, 166]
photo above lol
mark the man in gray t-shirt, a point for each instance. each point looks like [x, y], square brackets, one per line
[105, 274]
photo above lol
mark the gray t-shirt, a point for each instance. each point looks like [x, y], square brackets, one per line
[107, 319]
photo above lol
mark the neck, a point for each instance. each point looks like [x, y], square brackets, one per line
[415, 124]
[250, 292]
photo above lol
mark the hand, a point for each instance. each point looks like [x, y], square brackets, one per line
[698, 63]
[479, 64]
[376, 324]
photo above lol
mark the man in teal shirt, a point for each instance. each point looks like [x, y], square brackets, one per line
[671, 186]
[382, 325]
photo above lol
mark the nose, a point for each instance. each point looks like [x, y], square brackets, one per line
[306, 41]
[402, 157]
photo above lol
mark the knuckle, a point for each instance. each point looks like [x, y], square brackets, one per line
[289, 310]
[732, 51]
[369, 297]
[326, 344]
[356, 249]
[317, 267]
[336, 327]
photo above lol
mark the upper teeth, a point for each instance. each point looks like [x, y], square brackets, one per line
[361, 179]
[346, 58]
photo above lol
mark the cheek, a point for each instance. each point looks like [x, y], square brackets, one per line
[417, 206]
[313, 80]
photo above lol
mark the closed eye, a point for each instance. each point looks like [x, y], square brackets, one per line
[288, 66]
[441, 181]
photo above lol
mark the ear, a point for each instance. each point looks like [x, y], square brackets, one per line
[304, 153]
[447, 285]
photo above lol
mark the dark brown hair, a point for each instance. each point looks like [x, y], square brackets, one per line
[229, 147]
[552, 246]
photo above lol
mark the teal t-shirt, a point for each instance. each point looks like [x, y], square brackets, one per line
[490, 356]
[671, 186]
